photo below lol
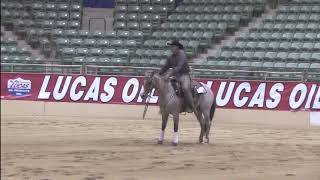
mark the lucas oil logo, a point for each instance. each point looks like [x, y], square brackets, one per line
[19, 87]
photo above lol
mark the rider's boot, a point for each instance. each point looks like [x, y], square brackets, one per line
[190, 107]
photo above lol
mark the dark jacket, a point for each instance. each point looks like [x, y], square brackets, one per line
[178, 62]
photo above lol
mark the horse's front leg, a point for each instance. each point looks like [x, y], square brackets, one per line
[175, 129]
[163, 127]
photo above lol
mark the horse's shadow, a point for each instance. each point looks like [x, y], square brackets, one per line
[153, 143]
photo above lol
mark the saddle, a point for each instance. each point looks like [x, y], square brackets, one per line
[196, 88]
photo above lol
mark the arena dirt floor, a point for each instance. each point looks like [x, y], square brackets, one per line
[124, 148]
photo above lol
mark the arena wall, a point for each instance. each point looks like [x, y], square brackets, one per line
[250, 102]
[60, 109]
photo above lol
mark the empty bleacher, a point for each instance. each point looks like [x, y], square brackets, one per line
[197, 24]
[286, 41]
[35, 19]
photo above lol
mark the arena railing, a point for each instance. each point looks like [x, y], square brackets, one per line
[138, 70]
[42, 68]
[210, 73]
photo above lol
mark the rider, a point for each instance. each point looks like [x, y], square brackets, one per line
[179, 63]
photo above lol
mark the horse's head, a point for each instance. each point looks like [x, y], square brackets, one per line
[147, 83]
[154, 80]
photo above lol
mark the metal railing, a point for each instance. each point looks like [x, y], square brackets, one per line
[231, 73]
[136, 70]
[43, 68]
[263, 75]
[93, 69]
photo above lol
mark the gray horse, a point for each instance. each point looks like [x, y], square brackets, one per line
[171, 103]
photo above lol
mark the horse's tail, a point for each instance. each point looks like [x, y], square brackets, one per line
[212, 109]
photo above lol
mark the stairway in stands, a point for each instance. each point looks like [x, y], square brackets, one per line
[227, 39]
[21, 43]
[16, 49]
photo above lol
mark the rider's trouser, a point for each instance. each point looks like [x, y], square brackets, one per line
[185, 81]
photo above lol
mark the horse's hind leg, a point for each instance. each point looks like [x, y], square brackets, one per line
[200, 119]
[163, 127]
[207, 123]
[208, 131]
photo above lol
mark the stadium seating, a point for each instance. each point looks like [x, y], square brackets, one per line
[198, 23]
[134, 22]
[129, 40]
[35, 19]
[286, 41]
[141, 15]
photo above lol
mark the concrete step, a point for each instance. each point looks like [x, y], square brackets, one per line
[217, 48]
[35, 53]
[7, 33]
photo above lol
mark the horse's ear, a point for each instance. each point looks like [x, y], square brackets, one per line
[147, 73]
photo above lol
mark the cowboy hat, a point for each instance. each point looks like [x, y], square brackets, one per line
[175, 43]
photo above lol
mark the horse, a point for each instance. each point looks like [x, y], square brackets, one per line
[171, 103]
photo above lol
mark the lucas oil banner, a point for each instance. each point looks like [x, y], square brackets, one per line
[126, 90]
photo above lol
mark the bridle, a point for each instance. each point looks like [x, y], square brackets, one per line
[147, 94]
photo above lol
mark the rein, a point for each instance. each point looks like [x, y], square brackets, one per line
[149, 96]
[146, 106]
[170, 99]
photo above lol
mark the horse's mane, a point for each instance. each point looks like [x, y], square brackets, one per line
[166, 75]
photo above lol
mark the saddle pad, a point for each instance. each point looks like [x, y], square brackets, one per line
[201, 90]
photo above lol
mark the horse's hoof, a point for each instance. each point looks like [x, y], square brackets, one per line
[174, 144]
[160, 142]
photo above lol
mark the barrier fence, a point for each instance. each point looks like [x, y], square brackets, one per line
[139, 70]
[42, 68]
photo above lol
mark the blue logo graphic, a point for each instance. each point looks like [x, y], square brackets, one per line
[19, 87]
